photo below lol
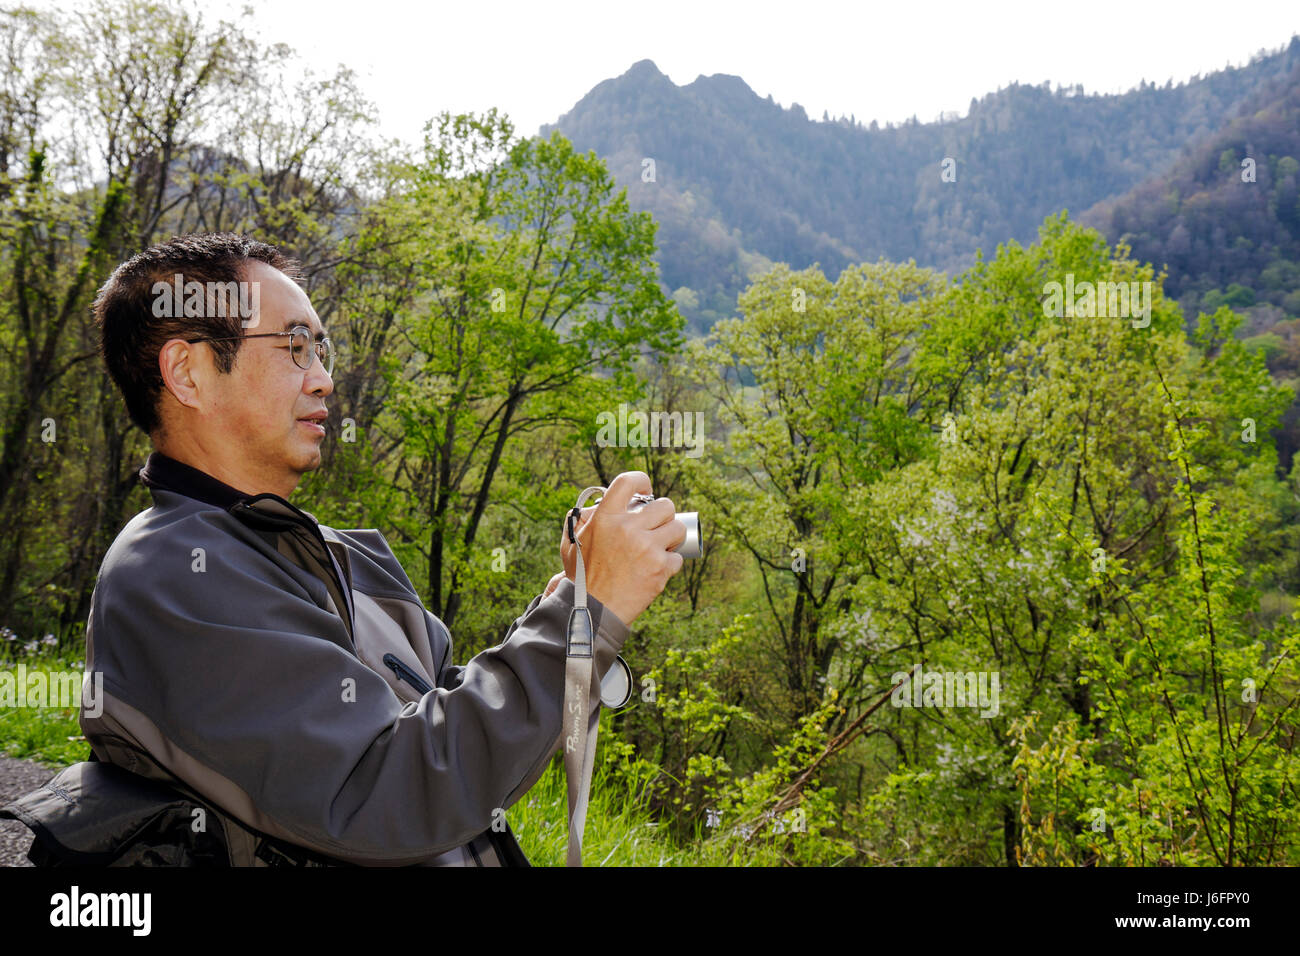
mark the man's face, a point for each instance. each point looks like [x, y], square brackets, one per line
[247, 428]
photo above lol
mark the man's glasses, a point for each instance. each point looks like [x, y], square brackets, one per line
[301, 346]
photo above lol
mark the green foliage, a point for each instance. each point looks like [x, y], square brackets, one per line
[1050, 472]
[528, 276]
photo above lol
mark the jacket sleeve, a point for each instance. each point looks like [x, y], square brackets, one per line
[242, 685]
[450, 675]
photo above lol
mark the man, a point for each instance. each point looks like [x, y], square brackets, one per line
[284, 671]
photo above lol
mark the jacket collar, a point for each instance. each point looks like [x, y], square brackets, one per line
[163, 471]
[267, 510]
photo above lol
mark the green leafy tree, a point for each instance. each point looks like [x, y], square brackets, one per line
[535, 280]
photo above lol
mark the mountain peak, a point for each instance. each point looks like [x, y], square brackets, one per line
[644, 69]
[723, 80]
[725, 91]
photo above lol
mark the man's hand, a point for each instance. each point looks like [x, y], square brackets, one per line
[628, 557]
[553, 583]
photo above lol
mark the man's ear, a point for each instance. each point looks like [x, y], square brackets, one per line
[181, 367]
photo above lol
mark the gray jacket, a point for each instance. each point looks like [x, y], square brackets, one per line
[288, 673]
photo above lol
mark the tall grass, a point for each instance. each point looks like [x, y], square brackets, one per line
[47, 735]
[621, 829]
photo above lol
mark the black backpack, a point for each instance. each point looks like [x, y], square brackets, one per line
[99, 814]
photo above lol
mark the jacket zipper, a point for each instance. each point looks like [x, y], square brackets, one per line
[405, 673]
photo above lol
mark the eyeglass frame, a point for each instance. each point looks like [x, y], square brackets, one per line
[325, 342]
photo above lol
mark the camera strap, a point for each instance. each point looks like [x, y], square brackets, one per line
[581, 723]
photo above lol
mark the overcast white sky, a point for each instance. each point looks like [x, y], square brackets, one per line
[883, 61]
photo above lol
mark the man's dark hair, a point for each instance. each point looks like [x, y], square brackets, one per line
[131, 335]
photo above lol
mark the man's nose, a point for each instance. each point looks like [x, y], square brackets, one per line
[318, 381]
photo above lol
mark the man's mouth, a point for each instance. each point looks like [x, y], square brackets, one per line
[316, 423]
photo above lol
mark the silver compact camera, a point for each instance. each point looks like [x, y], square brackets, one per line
[690, 520]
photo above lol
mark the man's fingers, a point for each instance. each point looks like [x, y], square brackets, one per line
[657, 513]
[619, 494]
[675, 562]
[669, 535]
[584, 516]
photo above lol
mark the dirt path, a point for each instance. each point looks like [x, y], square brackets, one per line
[16, 778]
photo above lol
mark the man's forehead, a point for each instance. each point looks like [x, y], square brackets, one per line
[285, 296]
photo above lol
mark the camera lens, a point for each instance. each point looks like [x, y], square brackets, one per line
[691, 547]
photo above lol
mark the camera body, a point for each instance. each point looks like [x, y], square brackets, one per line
[692, 547]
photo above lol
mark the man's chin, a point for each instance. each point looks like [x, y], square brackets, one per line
[308, 461]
